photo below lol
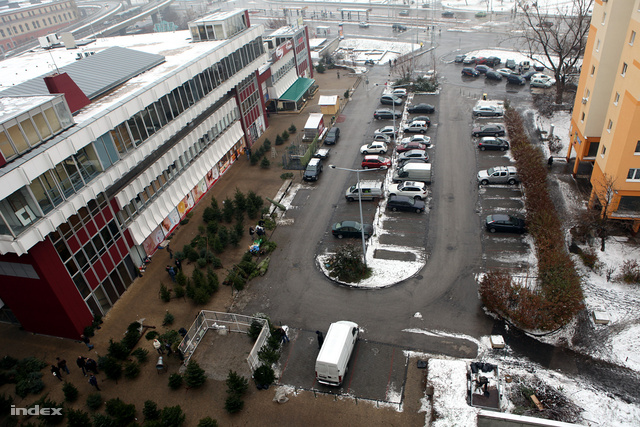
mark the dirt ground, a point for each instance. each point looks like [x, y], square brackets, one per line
[142, 302]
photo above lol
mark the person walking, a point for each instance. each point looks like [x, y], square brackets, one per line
[81, 362]
[178, 264]
[284, 334]
[94, 382]
[320, 339]
[92, 366]
[172, 273]
[62, 364]
[85, 339]
[158, 346]
[56, 372]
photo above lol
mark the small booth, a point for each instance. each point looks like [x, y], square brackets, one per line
[313, 127]
[329, 104]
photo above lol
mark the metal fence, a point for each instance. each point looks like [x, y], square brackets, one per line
[232, 323]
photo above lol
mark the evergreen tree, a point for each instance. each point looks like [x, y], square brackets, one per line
[194, 377]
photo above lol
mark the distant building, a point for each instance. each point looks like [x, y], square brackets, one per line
[29, 21]
[95, 173]
[605, 125]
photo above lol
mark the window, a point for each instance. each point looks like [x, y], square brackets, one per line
[624, 69]
[604, 150]
[632, 38]
[593, 69]
[604, 17]
[637, 148]
[633, 175]
[609, 126]
[582, 118]
[598, 46]
[616, 99]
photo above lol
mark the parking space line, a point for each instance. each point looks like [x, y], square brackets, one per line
[393, 353]
[353, 367]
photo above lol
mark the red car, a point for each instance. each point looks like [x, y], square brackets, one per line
[410, 146]
[375, 162]
[481, 60]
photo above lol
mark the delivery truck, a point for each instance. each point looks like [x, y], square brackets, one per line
[331, 364]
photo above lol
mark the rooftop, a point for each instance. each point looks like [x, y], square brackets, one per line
[11, 107]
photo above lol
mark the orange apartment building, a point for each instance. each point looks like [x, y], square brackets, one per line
[605, 124]
[25, 23]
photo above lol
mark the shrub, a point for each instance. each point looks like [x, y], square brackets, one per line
[122, 413]
[150, 410]
[5, 405]
[194, 376]
[50, 419]
[285, 135]
[292, 128]
[141, 354]
[130, 339]
[265, 163]
[175, 381]
[236, 384]
[630, 271]
[320, 68]
[117, 350]
[70, 392]
[111, 367]
[102, 420]
[94, 401]
[202, 262]
[151, 335]
[165, 293]
[266, 145]
[207, 422]
[131, 370]
[29, 384]
[179, 291]
[346, 264]
[8, 362]
[228, 210]
[240, 200]
[279, 140]
[254, 329]
[254, 160]
[264, 375]
[168, 319]
[233, 404]
[346, 94]
[77, 418]
[172, 416]
[589, 258]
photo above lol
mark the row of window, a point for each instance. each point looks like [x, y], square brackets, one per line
[36, 24]
[56, 185]
[280, 72]
[75, 222]
[41, 11]
[149, 194]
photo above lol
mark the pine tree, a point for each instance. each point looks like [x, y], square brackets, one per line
[194, 376]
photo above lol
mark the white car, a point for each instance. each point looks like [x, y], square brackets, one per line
[544, 83]
[376, 147]
[422, 139]
[389, 131]
[413, 189]
[504, 71]
[399, 92]
[487, 111]
[364, 24]
[381, 137]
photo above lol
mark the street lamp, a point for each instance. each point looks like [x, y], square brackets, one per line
[357, 171]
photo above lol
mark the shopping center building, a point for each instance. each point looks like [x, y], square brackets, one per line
[102, 158]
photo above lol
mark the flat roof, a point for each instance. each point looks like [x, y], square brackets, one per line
[13, 106]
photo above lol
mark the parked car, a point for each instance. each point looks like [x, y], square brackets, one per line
[389, 131]
[398, 27]
[487, 111]
[421, 109]
[527, 75]
[492, 75]
[422, 139]
[404, 203]
[401, 163]
[491, 143]
[493, 61]
[378, 147]
[381, 137]
[416, 127]
[504, 72]
[481, 14]
[364, 24]
[412, 189]
[413, 154]
[421, 119]
[499, 175]
[401, 148]
[313, 170]
[516, 80]
[448, 14]
[390, 100]
[468, 71]
[469, 60]
[404, 12]
[387, 114]
[539, 82]
[538, 67]
[482, 69]
[510, 64]
[459, 59]
[481, 60]
[332, 136]
[542, 76]
[505, 223]
[488, 130]
[400, 92]
[374, 161]
[351, 229]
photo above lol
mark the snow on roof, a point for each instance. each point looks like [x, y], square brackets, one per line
[328, 100]
[12, 106]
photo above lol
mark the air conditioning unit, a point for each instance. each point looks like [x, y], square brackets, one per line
[584, 100]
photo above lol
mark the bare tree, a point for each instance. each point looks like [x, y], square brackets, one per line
[275, 23]
[558, 36]
[404, 66]
[604, 190]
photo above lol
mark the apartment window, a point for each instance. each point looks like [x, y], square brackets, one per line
[604, 150]
[604, 17]
[624, 69]
[632, 38]
[610, 126]
[593, 69]
[637, 148]
[598, 46]
[582, 118]
[616, 99]
[633, 175]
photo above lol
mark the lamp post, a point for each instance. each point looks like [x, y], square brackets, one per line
[357, 171]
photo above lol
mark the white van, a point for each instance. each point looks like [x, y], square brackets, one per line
[413, 172]
[331, 364]
[370, 190]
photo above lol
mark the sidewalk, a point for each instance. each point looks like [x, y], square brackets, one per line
[141, 302]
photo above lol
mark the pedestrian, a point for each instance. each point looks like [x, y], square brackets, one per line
[92, 366]
[390, 64]
[259, 231]
[320, 339]
[178, 264]
[167, 346]
[338, 73]
[81, 361]
[158, 346]
[251, 231]
[170, 252]
[284, 334]
[85, 339]
[62, 364]
[172, 273]
[94, 382]
[395, 62]
[56, 372]
[550, 161]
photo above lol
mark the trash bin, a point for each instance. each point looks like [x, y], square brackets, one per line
[160, 365]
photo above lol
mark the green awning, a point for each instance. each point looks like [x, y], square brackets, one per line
[297, 89]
